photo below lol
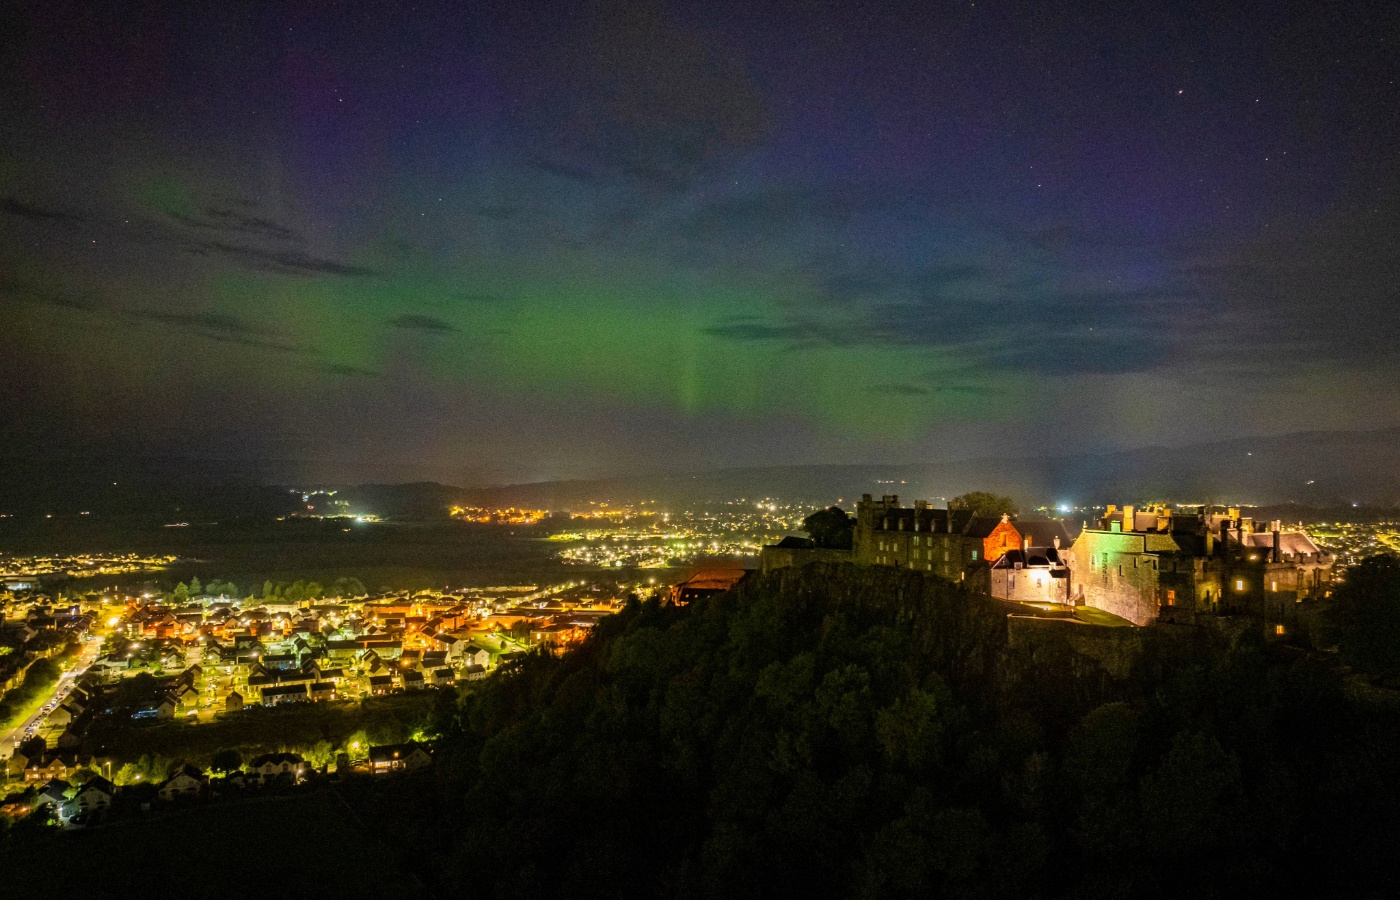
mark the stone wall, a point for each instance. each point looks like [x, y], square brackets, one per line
[770, 558]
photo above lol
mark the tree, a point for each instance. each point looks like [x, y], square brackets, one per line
[983, 503]
[181, 593]
[1364, 621]
[226, 761]
[830, 528]
[195, 587]
[267, 589]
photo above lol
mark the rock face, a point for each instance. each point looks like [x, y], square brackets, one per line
[990, 648]
[958, 632]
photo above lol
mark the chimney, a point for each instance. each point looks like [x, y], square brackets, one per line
[1128, 522]
[1275, 533]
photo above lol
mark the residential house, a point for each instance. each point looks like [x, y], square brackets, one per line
[397, 758]
[285, 693]
[472, 655]
[188, 781]
[54, 794]
[96, 794]
[271, 765]
[47, 767]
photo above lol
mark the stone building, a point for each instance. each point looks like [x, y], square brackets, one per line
[953, 544]
[1160, 562]
[794, 551]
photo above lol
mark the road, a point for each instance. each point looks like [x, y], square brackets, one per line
[90, 652]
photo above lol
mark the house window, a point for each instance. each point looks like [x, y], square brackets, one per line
[1273, 585]
[1278, 629]
[1171, 597]
[1239, 585]
[974, 554]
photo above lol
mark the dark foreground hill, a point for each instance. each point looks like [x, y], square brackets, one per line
[840, 732]
[835, 731]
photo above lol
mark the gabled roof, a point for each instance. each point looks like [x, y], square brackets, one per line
[98, 784]
[390, 752]
[1036, 558]
[1289, 542]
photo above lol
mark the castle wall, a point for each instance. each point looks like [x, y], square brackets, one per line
[1115, 575]
[1033, 585]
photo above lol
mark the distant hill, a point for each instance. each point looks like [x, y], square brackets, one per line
[1311, 470]
[1315, 469]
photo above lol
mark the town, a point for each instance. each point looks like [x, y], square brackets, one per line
[84, 669]
[94, 664]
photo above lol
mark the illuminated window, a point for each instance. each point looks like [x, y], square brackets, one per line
[1273, 585]
[1171, 598]
[1239, 585]
[974, 554]
[1278, 629]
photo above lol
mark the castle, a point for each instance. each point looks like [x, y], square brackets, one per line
[1143, 565]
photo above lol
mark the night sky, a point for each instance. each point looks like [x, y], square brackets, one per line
[514, 241]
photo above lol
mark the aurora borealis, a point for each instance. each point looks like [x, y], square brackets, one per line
[530, 241]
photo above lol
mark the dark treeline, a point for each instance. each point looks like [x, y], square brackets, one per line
[832, 731]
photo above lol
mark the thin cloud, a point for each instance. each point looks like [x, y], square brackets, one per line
[215, 326]
[899, 390]
[13, 207]
[218, 219]
[416, 322]
[351, 371]
[289, 261]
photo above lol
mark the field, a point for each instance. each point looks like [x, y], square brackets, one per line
[382, 556]
[303, 845]
[295, 727]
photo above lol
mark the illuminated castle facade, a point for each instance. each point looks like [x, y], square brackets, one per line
[951, 544]
[1158, 562]
[1144, 565]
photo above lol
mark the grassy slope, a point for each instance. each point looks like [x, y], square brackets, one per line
[306, 845]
